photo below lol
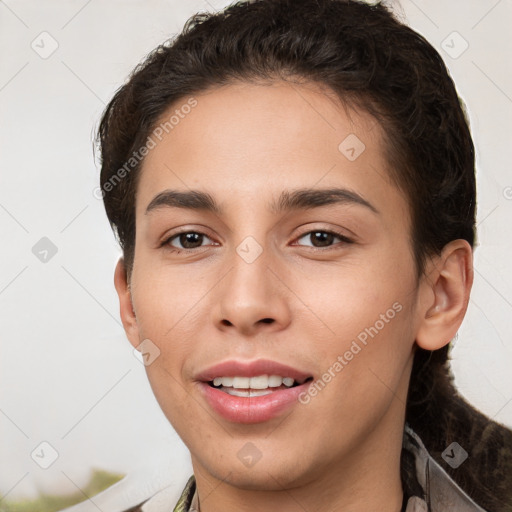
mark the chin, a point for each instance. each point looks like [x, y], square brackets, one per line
[263, 476]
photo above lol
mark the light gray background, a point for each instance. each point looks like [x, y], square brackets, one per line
[67, 374]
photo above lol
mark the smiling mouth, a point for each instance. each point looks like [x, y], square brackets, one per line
[254, 386]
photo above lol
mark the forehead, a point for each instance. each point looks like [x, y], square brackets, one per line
[249, 141]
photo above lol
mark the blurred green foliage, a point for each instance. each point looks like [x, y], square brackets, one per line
[99, 481]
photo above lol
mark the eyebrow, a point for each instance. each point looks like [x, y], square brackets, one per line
[299, 199]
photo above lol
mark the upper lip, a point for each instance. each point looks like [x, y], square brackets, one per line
[251, 369]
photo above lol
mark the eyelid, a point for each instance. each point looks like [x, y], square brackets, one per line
[167, 239]
[344, 238]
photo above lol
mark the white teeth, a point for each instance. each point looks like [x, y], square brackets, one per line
[261, 382]
[258, 382]
[247, 393]
[239, 382]
[274, 381]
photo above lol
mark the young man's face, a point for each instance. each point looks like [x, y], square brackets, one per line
[253, 283]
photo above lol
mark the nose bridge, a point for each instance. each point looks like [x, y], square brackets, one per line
[250, 295]
[249, 277]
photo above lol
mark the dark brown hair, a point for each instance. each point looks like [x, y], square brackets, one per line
[372, 62]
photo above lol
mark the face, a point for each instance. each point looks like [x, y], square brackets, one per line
[317, 288]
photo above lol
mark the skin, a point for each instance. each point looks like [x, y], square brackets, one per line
[244, 144]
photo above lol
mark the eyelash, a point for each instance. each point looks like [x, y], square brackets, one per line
[166, 243]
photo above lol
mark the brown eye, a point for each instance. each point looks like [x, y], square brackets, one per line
[323, 238]
[188, 240]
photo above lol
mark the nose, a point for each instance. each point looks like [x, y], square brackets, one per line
[252, 297]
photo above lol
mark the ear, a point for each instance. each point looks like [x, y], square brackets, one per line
[125, 303]
[445, 295]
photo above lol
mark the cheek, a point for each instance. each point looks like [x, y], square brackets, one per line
[367, 334]
[168, 300]
[363, 379]
[175, 401]
[347, 301]
[377, 338]
[171, 309]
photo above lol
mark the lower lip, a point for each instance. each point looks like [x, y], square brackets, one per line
[255, 409]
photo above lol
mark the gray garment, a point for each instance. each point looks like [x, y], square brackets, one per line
[440, 492]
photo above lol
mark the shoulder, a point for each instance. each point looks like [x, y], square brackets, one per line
[438, 490]
[140, 491]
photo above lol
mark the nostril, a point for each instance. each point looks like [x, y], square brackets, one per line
[268, 320]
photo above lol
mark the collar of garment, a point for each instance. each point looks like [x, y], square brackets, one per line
[427, 486]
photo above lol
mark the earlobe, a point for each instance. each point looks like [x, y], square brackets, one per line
[446, 291]
[126, 309]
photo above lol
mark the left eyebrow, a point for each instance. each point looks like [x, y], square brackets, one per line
[299, 199]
